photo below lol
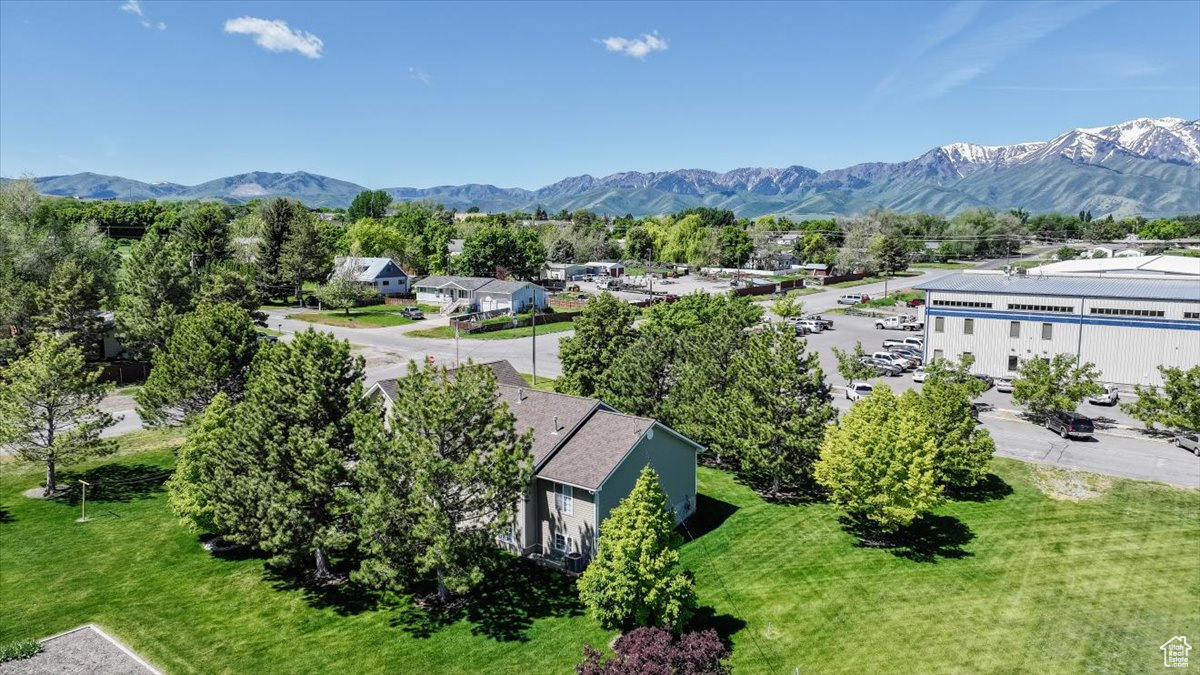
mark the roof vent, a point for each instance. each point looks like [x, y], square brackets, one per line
[520, 394]
[555, 432]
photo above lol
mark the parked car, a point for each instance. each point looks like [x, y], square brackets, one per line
[918, 342]
[1108, 397]
[817, 317]
[412, 313]
[856, 391]
[812, 325]
[902, 361]
[1189, 442]
[986, 379]
[910, 352]
[915, 302]
[1004, 384]
[853, 298]
[1069, 424]
[882, 367]
[919, 374]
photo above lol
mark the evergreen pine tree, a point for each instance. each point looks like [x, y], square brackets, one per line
[154, 291]
[192, 489]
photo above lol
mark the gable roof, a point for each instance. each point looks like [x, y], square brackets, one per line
[539, 410]
[371, 269]
[476, 284]
[503, 370]
[596, 449]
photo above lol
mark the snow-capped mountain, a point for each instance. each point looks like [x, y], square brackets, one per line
[1143, 166]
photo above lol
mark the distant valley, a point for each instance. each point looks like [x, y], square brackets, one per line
[1140, 167]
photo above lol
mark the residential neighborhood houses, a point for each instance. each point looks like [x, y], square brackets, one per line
[693, 450]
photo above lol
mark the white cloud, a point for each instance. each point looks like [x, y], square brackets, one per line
[134, 7]
[276, 36]
[420, 76]
[638, 48]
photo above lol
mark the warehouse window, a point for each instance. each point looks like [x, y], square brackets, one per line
[1040, 308]
[1115, 311]
[1013, 363]
[968, 326]
[1014, 329]
[962, 303]
[939, 324]
[937, 354]
[1191, 315]
[1047, 331]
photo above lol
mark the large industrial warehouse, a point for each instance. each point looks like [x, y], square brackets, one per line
[1127, 326]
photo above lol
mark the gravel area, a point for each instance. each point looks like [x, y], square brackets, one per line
[86, 649]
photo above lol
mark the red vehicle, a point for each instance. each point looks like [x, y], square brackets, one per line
[915, 302]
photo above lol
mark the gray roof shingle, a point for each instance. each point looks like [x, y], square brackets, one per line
[538, 410]
[503, 370]
[1075, 287]
[596, 449]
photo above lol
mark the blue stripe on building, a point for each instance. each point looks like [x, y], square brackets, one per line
[1171, 324]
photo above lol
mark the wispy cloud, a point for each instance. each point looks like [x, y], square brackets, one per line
[957, 49]
[276, 36]
[1076, 89]
[420, 76]
[638, 48]
[134, 7]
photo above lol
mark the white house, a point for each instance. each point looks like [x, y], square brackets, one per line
[480, 294]
[382, 274]
[563, 271]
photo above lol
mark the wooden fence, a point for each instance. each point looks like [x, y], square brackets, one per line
[125, 372]
[825, 281]
[478, 326]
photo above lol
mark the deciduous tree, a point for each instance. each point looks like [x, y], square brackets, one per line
[634, 579]
[850, 365]
[788, 305]
[654, 651]
[1044, 386]
[1176, 405]
[602, 330]
[879, 462]
[369, 204]
[50, 407]
[343, 289]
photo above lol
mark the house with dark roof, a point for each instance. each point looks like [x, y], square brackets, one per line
[586, 459]
[382, 274]
[480, 294]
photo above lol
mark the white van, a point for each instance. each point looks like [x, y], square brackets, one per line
[853, 298]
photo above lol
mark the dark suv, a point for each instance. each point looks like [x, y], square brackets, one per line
[1069, 424]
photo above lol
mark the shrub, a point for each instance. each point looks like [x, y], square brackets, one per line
[21, 649]
[653, 651]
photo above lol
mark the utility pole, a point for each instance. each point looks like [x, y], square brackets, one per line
[456, 362]
[533, 323]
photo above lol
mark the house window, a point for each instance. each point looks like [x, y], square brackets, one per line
[939, 324]
[937, 354]
[563, 543]
[564, 498]
[1014, 329]
[1013, 363]
[968, 326]
[1047, 331]
[384, 282]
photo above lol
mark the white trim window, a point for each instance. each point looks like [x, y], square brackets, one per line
[564, 498]
[563, 543]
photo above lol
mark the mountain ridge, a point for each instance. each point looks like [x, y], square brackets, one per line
[1145, 166]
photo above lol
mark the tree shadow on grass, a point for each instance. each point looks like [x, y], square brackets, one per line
[5, 516]
[925, 540]
[725, 625]
[710, 514]
[991, 488]
[514, 593]
[115, 483]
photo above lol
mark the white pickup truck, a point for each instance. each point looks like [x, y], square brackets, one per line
[900, 323]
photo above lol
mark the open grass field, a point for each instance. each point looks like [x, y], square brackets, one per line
[1009, 580]
[370, 316]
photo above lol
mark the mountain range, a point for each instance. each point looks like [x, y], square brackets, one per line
[1141, 167]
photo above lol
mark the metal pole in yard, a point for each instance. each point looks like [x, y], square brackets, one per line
[533, 323]
[456, 345]
[83, 505]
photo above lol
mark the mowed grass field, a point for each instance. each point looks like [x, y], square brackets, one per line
[1008, 580]
[370, 316]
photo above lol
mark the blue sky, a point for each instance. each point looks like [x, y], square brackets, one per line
[409, 94]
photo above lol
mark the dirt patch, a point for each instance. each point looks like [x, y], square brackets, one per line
[1068, 485]
[39, 492]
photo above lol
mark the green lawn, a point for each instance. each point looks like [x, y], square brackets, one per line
[543, 383]
[447, 333]
[1190, 252]
[1007, 581]
[370, 316]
